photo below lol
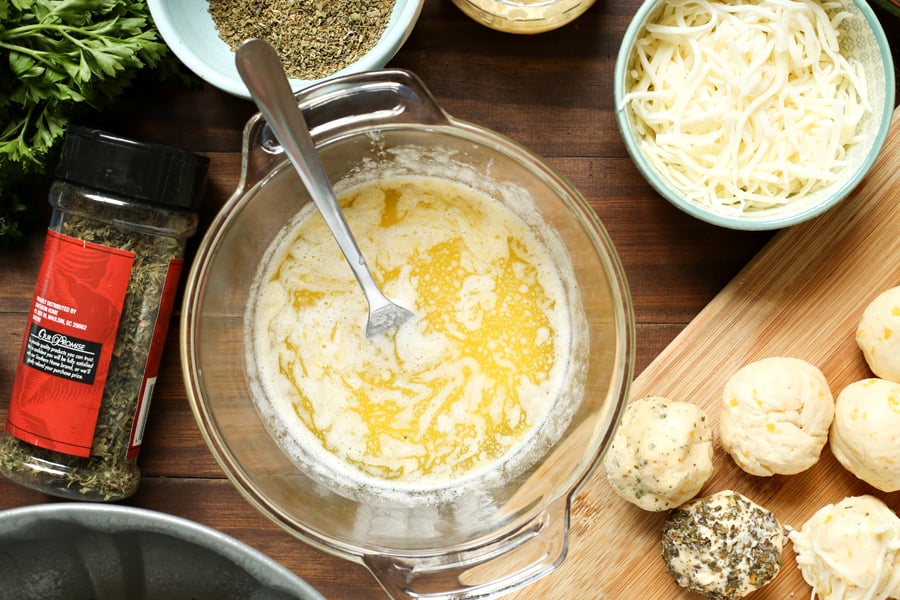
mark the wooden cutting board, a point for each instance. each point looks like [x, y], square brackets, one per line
[802, 296]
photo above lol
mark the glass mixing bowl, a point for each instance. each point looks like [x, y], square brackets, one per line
[513, 529]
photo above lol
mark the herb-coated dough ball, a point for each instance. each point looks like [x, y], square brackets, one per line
[775, 415]
[878, 335]
[865, 435]
[722, 546]
[661, 454]
[850, 550]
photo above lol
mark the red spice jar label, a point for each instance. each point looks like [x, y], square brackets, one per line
[154, 356]
[68, 344]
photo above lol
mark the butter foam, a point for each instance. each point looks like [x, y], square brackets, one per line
[481, 381]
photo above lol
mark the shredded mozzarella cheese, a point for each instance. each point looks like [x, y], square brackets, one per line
[745, 105]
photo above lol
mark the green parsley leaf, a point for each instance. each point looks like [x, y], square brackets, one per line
[61, 57]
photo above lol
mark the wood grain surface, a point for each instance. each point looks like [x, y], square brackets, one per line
[801, 296]
[551, 93]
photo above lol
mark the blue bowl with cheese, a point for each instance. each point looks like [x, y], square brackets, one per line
[748, 116]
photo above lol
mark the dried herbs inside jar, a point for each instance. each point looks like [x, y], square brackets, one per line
[122, 212]
[313, 38]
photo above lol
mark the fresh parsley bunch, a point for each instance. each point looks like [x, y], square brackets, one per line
[59, 59]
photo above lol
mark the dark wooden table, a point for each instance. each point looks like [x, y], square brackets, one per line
[552, 93]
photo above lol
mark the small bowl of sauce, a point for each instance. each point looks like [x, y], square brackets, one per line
[524, 16]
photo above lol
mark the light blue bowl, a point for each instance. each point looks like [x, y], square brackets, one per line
[189, 31]
[862, 40]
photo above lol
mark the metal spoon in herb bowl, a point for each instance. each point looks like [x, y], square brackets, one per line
[263, 74]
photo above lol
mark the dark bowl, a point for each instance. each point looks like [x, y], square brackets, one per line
[75, 551]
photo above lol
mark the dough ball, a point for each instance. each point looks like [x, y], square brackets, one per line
[661, 454]
[722, 546]
[865, 435]
[878, 335]
[850, 550]
[775, 416]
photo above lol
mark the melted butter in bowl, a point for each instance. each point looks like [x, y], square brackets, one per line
[461, 390]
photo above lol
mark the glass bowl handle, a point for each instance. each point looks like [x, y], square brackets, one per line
[342, 106]
[496, 567]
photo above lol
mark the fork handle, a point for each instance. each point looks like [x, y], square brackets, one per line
[263, 74]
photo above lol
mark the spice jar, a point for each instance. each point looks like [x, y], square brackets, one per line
[122, 212]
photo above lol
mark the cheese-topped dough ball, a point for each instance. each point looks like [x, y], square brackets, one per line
[865, 435]
[775, 416]
[661, 454]
[850, 550]
[878, 335]
[722, 546]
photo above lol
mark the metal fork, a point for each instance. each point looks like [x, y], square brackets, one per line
[263, 74]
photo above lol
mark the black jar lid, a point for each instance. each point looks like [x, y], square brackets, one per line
[144, 172]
